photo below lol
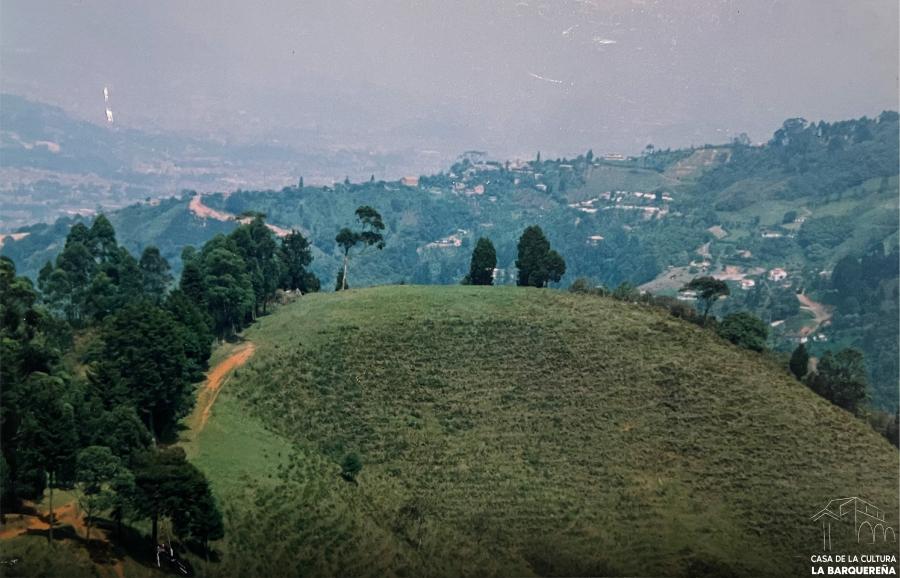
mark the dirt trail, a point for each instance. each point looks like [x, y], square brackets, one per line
[206, 397]
[821, 313]
[197, 207]
[66, 515]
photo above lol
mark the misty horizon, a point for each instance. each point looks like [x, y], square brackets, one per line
[510, 78]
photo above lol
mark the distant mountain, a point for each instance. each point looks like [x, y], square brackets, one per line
[784, 223]
[53, 165]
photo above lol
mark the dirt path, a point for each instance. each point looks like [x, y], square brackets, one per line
[821, 313]
[197, 207]
[66, 515]
[206, 397]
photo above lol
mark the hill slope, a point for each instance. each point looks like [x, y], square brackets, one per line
[516, 432]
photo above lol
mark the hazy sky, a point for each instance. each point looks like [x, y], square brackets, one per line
[511, 77]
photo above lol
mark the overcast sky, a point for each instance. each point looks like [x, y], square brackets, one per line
[510, 77]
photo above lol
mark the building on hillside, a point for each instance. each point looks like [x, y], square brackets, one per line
[594, 240]
[410, 181]
[687, 296]
[777, 274]
[747, 284]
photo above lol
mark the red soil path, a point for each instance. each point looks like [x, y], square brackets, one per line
[214, 380]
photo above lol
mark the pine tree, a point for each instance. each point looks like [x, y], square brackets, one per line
[799, 363]
[484, 261]
[154, 273]
[538, 265]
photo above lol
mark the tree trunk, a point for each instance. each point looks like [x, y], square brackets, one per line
[154, 529]
[52, 517]
[344, 278]
[88, 524]
[151, 427]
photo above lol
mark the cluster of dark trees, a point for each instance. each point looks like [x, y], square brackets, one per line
[841, 377]
[538, 265]
[234, 277]
[99, 366]
[863, 289]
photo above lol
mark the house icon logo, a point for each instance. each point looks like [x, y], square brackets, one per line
[853, 519]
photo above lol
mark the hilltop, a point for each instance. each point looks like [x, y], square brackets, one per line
[516, 432]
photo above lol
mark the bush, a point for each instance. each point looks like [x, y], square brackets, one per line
[744, 330]
[677, 308]
[350, 467]
[585, 286]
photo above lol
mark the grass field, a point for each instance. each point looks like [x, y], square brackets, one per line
[510, 431]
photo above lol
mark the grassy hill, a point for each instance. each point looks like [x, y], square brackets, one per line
[508, 431]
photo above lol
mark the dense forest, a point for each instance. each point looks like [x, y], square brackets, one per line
[101, 360]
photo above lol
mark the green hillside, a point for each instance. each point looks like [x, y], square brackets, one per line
[507, 431]
[814, 195]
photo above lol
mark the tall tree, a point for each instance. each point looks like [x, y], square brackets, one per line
[708, 290]
[197, 330]
[799, 363]
[296, 256]
[168, 485]
[47, 438]
[538, 265]
[228, 287]
[369, 235]
[256, 245]
[155, 273]
[146, 346]
[96, 470]
[103, 243]
[192, 283]
[33, 393]
[484, 261]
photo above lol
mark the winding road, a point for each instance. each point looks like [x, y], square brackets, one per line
[821, 313]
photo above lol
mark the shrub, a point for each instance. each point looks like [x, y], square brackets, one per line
[350, 467]
[744, 330]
